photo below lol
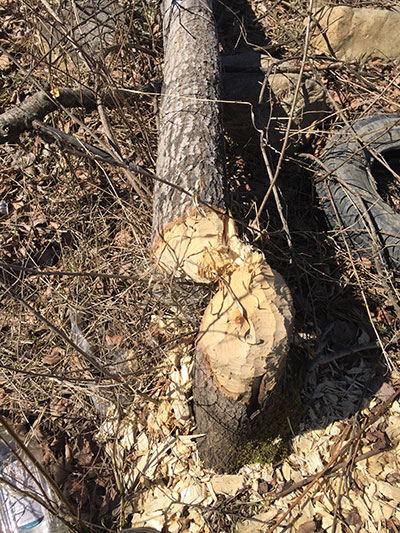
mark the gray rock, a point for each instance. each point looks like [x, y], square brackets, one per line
[349, 33]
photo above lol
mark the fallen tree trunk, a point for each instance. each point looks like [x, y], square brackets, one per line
[244, 335]
[190, 153]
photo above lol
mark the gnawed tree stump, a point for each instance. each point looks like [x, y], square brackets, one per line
[244, 335]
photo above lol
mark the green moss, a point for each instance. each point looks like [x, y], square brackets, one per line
[273, 441]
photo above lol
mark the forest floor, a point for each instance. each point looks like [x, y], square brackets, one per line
[114, 429]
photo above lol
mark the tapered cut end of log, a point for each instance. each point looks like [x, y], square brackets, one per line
[198, 246]
[244, 335]
[245, 331]
[240, 358]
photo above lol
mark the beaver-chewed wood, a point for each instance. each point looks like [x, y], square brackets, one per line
[244, 335]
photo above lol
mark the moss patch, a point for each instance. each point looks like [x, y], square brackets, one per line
[273, 442]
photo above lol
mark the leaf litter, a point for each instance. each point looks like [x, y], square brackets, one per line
[150, 446]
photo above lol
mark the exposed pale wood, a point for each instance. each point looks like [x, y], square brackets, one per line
[248, 318]
[240, 357]
[243, 339]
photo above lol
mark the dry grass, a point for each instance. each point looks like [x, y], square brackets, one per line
[84, 224]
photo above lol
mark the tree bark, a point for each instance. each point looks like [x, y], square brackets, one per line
[244, 335]
[190, 153]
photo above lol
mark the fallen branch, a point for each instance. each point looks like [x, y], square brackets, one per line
[20, 118]
[241, 79]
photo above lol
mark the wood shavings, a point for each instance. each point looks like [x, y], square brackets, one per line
[159, 456]
[147, 464]
[227, 484]
[393, 429]
[388, 490]
[191, 491]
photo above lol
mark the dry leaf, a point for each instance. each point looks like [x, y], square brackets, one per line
[17, 205]
[85, 455]
[263, 487]
[114, 340]
[54, 356]
[123, 238]
[354, 519]
[377, 437]
[385, 392]
[4, 62]
[393, 429]
[307, 527]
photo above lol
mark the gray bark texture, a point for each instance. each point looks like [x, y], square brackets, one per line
[190, 152]
[36, 107]
[191, 157]
[224, 421]
[228, 424]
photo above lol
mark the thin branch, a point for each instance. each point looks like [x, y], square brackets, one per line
[330, 357]
[35, 107]
[300, 484]
[103, 155]
[34, 272]
[291, 113]
[140, 189]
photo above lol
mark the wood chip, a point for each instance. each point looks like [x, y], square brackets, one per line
[389, 490]
[227, 484]
[194, 493]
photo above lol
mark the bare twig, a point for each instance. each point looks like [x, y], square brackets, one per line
[9, 267]
[292, 111]
[300, 484]
[87, 357]
[141, 190]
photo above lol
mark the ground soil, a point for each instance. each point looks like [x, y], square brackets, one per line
[75, 266]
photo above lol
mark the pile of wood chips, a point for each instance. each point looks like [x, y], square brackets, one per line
[342, 473]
